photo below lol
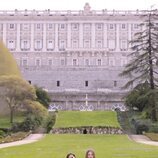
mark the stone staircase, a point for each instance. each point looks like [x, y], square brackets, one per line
[125, 123]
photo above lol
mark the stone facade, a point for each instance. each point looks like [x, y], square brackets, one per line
[71, 51]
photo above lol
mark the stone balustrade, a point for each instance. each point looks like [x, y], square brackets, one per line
[49, 12]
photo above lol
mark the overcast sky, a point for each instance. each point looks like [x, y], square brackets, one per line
[76, 4]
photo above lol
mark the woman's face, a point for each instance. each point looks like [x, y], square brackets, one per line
[72, 156]
[90, 155]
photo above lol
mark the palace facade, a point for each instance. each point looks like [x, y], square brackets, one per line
[73, 53]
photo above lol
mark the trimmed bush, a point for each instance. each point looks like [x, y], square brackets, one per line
[49, 122]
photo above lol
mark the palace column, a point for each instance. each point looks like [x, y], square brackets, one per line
[68, 35]
[93, 35]
[117, 38]
[18, 38]
[32, 36]
[4, 33]
[105, 36]
[129, 35]
[56, 37]
[44, 37]
[81, 35]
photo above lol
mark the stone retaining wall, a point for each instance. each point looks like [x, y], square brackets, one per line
[87, 130]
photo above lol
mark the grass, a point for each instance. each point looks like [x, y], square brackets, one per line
[88, 118]
[152, 136]
[105, 146]
[5, 121]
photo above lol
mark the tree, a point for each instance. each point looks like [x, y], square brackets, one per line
[142, 65]
[36, 108]
[138, 97]
[15, 91]
[8, 65]
[42, 96]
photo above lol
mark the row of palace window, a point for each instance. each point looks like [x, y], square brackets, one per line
[86, 83]
[62, 44]
[75, 62]
[74, 26]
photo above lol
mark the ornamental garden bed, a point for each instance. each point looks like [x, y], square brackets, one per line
[14, 137]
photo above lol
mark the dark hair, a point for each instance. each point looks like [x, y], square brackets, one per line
[67, 156]
[90, 150]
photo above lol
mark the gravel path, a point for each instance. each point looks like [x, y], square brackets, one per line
[142, 139]
[30, 139]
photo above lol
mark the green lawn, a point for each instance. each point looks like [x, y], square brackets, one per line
[88, 118]
[57, 146]
[5, 121]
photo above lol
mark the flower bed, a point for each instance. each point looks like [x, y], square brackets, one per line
[14, 137]
[152, 136]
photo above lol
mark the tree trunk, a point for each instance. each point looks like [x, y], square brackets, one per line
[11, 115]
[152, 85]
[153, 109]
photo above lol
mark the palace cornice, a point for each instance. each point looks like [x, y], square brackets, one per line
[72, 19]
[73, 15]
[73, 12]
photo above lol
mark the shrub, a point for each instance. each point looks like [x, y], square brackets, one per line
[2, 134]
[140, 128]
[16, 127]
[153, 128]
[37, 109]
[49, 122]
[31, 123]
[35, 118]
[138, 98]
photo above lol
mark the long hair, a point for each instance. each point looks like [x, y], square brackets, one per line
[67, 156]
[90, 150]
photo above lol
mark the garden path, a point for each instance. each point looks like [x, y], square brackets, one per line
[142, 139]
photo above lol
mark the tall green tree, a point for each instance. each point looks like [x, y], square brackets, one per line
[15, 91]
[143, 59]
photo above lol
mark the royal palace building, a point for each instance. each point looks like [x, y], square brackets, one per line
[75, 55]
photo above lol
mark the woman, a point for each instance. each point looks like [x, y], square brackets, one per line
[90, 154]
[70, 155]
